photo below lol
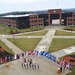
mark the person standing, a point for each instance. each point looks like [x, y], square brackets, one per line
[27, 64]
[38, 65]
[30, 62]
[61, 68]
[22, 62]
[34, 64]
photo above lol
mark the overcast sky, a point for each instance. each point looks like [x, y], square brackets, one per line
[31, 5]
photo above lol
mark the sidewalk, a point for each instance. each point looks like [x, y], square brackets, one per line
[24, 36]
[64, 52]
[44, 44]
[14, 48]
[64, 37]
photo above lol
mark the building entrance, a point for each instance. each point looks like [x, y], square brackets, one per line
[54, 17]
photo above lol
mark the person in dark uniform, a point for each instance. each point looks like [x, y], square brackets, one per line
[61, 68]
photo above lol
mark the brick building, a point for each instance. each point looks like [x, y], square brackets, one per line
[35, 20]
[71, 20]
[21, 21]
[52, 17]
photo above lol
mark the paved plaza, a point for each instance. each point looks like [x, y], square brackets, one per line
[47, 67]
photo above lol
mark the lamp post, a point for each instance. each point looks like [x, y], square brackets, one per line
[31, 28]
[13, 38]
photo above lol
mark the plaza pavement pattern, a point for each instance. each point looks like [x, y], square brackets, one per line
[47, 67]
[44, 44]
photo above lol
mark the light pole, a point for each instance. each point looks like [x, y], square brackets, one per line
[13, 38]
[31, 28]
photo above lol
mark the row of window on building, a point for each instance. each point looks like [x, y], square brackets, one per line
[6, 20]
[37, 25]
[71, 19]
[71, 23]
[37, 21]
[33, 17]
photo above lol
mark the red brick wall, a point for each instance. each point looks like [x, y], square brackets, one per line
[35, 20]
[54, 11]
[71, 20]
[8, 22]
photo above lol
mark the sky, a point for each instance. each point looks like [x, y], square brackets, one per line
[34, 5]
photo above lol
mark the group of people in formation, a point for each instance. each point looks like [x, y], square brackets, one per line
[30, 63]
[63, 66]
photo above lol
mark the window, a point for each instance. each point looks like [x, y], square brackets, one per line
[40, 20]
[35, 17]
[31, 17]
[35, 20]
[74, 19]
[70, 23]
[69, 19]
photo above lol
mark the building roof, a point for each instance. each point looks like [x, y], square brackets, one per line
[17, 15]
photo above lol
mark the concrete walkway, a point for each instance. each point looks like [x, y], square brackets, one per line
[10, 36]
[68, 31]
[44, 44]
[64, 52]
[11, 46]
[64, 37]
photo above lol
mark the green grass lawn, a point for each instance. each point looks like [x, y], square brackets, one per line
[31, 29]
[63, 33]
[5, 47]
[71, 28]
[26, 44]
[4, 29]
[41, 33]
[61, 43]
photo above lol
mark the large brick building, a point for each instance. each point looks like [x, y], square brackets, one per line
[52, 17]
[71, 19]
